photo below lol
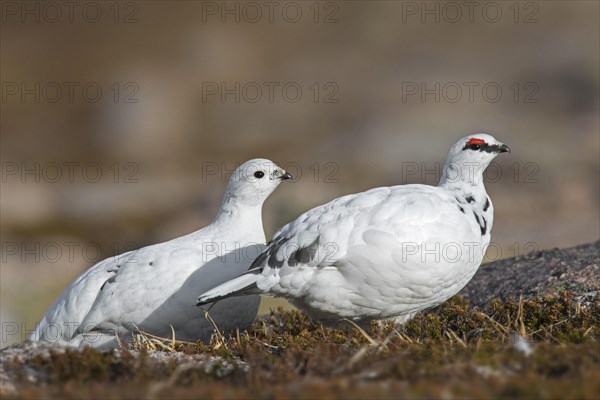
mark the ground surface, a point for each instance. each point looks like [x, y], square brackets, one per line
[541, 273]
[544, 345]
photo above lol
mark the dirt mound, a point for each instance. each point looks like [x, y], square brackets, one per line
[542, 273]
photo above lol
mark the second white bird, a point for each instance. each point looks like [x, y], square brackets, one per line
[153, 289]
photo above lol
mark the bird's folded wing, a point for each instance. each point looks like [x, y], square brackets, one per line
[129, 291]
[320, 237]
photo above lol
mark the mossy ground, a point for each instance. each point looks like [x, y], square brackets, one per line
[450, 352]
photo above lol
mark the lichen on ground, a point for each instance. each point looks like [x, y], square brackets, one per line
[543, 348]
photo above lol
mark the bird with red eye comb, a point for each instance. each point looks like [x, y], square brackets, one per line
[386, 253]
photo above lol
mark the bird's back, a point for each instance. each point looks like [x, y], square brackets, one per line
[63, 317]
[411, 213]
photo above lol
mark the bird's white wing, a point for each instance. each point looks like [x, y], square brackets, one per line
[64, 316]
[139, 285]
[319, 237]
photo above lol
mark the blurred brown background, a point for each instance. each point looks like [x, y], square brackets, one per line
[113, 115]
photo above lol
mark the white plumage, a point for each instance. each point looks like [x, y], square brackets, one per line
[154, 288]
[385, 253]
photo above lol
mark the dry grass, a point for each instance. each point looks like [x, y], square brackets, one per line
[452, 351]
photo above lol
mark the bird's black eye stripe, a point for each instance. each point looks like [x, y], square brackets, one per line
[259, 174]
[476, 146]
[488, 148]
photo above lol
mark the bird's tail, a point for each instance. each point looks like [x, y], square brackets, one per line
[243, 284]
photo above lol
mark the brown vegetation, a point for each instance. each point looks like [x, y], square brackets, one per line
[543, 348]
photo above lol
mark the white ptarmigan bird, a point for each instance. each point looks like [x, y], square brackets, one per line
[386, 253]
[155, 288]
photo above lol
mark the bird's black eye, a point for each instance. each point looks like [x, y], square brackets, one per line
[475, 146]
[259, 174]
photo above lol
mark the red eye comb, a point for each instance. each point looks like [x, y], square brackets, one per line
[475, 141]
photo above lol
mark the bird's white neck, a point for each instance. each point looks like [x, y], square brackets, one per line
[463, 175]
[241, 217]
[464, 181]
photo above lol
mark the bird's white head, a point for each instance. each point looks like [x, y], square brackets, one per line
[253, 181]
[469, 157]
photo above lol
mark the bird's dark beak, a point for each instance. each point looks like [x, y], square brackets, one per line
[286, 176]
[504, 149]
